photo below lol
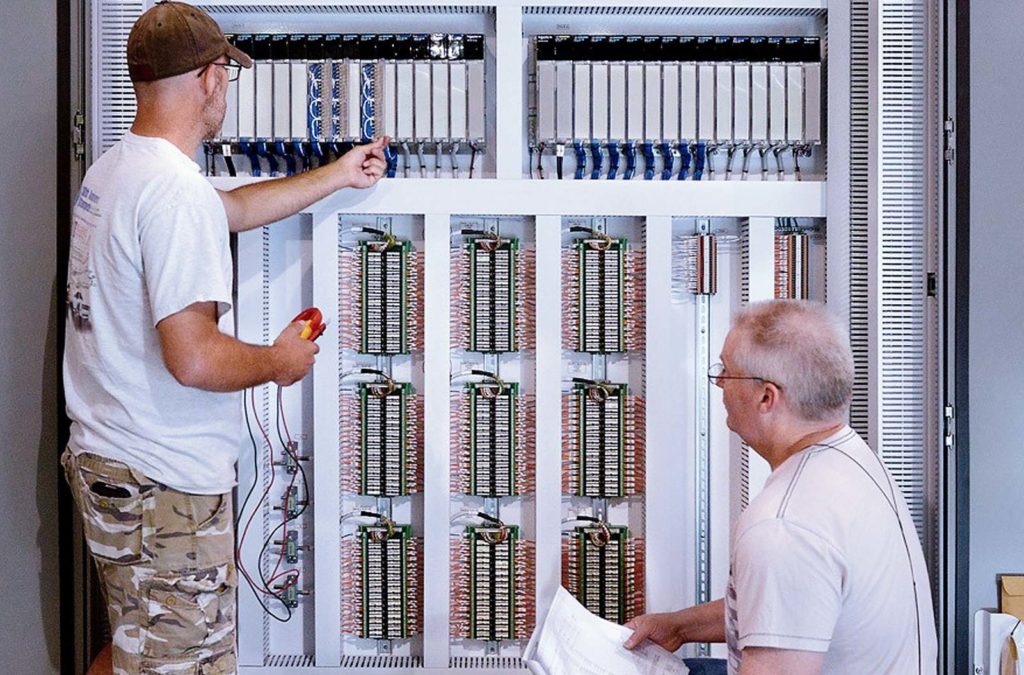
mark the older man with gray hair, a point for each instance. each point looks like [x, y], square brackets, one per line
[826, 571]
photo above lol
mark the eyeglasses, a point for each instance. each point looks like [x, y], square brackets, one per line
[234, 70]
[716, 373]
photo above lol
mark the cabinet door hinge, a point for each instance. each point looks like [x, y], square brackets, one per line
[78, 135]
[949, 438]
[949, 134]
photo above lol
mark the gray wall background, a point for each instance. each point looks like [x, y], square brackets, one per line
[997, 306]
[28, 365]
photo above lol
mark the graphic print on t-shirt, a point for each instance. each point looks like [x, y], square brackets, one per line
[81, 277]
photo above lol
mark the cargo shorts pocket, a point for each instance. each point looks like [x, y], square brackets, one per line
[188, 616]
[113, 507]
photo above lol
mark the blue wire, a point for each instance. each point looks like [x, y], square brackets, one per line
[666, 153]
[392, 159]
[303, 151]
[289, 159]
[613, 160]
[595, 151]
[250, 151]
[684, 160]
[261, 150]
[648, 150]
[698, 161]
[630, 161]
[581, 160]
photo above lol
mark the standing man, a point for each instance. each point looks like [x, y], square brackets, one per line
[827, 573]
[150, 368]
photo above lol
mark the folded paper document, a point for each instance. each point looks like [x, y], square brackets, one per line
[573, 641]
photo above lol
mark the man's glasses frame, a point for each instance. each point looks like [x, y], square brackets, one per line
[234, 70]
[716, 372]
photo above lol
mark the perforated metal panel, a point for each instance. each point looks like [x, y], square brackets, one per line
[679, 11]
[255, 9]
[113, 109]
[858, 235]
[903, 215]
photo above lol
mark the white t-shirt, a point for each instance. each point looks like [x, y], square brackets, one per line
[149, 238]
[819, 564]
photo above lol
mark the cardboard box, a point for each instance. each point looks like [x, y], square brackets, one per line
[1011, 594]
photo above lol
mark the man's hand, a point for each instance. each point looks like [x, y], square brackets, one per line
[664, 629]
[701, 623]
[294, 354]
[364, 165]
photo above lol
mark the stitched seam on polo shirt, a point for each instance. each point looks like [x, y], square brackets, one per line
[810, 450]
[784, 635]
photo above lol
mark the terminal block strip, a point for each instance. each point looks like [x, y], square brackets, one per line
[603, 441]
[381, 290]
[605, 300]
[493, 592]
[603, 569]
[494, 452]
[492, 295]
[381, 572]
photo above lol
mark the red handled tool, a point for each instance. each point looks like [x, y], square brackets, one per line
[315, 325]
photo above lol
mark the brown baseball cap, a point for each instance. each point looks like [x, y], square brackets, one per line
[173, 38]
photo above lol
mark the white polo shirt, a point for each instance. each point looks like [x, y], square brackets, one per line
[819, 564]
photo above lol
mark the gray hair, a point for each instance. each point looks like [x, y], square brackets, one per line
[799, 346]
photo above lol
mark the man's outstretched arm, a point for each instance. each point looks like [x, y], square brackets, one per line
[258, 204]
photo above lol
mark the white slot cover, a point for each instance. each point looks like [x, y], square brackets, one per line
[545, 101]
[387, 96]
[282, 100]
[439, 76]
[423, 127]
[457, 104]
[404, 107]
[741, 102]
[795, 96]
[635, 101]
[759, 102]
[563, 100]
[707, 94]
[300, 100]
[264, 99]
[670, 102]
[247, 103]
[652, 102]
[777, 102]
[475, 95]
[723, 102]
[617, 102]
[581, 101]
[812, 102]
[688, 101]
[599, 100]
[352, 91]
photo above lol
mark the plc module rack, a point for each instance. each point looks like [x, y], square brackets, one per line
[513, 392]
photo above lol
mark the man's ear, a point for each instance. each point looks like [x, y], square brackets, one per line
[208, 80]
[769, 398]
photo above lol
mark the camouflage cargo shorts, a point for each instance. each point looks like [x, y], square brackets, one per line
[166, 559]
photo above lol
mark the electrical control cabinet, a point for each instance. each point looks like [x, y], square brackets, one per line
[512, 393]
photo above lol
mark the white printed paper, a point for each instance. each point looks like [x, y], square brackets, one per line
[572, 641]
